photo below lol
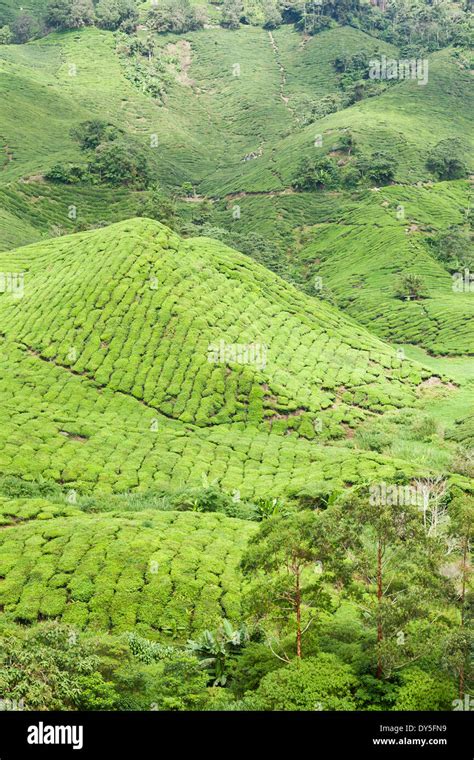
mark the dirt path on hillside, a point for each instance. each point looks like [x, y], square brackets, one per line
[284, 98]
[236, 196]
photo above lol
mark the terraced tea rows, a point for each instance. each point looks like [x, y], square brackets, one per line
[363, 256]
[134, 309]
[32, 210]
[37, 80]
[463, 432]
[63, 427]
[160, 573]
[108, 386]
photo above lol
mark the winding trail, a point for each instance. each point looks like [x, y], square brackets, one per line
[284, 98]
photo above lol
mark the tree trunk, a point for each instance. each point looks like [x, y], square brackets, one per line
[463, 599]
[379, 611]
[298, 614]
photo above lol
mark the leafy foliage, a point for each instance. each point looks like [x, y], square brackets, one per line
[447, 159]
[69, 14]
[177, 16]
[217, 650]
[317, 683]
[51, 668]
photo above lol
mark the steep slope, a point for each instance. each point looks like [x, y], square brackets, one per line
[10, 9]
[107, 382]
[399, 121]
[241, 95]
[231, 122]
[195, 330]
[64, 428]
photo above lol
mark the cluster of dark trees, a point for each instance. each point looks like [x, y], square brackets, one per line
[446, 161]
[112, 159]
[64, 15]
[413, 25]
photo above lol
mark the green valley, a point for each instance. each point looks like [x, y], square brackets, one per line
[236, 351]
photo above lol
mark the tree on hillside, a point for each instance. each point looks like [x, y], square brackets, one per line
[24, 28]
[410, 288]
[347, 142]
[232, 12]
[91, 133]
[119, 163]
[158, 206]
[272, 15]
[286, 558]
[69, 14]
[68, 174]
[395, 576]
[177, 16]
[111, 14]
[459, 645]
[453, 247]
[316, 174]
[446, 159]
[380, 167]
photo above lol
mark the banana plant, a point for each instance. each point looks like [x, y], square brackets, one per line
[216, 649]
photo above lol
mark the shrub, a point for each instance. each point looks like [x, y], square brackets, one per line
[112, 14]
[45, 666]
[95, 693]
[68, 174]
[90, 134]
[232, 12]
[158, 206]
[182, 685]
[6, 35]
[317, 683]
[410, 288]
[177, 16]
[255, 662]
[352, 66]
[119, 163]
[373, 440]
[423, 427]
[316, 174]
[24, 28]
[380, 167]
[463, 462]
[453, 247]
[313, 21]
[271, 15]
[422, 691]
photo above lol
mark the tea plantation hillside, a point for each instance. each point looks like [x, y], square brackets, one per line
[63, 79]
[232, 123]
[165, 573]
[64, 428]
[236, 344]
[208, 363]
[363, 257]
[141, 312]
